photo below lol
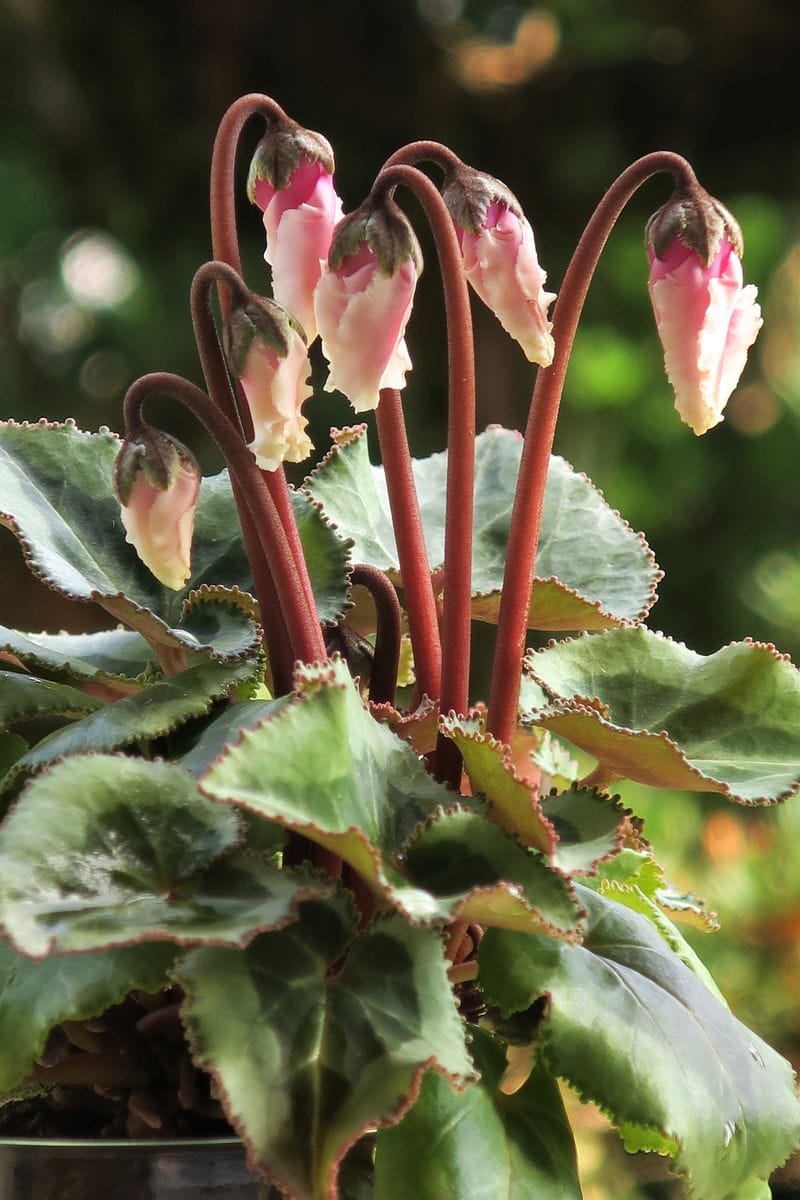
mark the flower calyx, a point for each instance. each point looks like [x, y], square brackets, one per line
[382, 227]
[698, 219]
[157, 480]
[282, 149]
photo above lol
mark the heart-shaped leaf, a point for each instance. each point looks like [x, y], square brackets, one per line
[105, 850]
[651, 710]
[322, 766]
[593, 571]
[58, 498]
[632, 1028]
[36, 996]
[327, 769]
[480, 1144]
[152, 713]
[306, 1058]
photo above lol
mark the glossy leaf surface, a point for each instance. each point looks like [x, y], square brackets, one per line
[307, 1058]
[480, 1144]
[632, 1028]
[105, 850]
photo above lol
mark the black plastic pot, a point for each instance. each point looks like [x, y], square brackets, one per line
[37, 1169]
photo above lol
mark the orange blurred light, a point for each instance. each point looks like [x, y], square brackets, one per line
[483, 65]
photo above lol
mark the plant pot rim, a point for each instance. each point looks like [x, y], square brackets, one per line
[160, 1144]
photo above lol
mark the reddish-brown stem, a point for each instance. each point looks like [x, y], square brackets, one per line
[383, 680]
[527, 510]
[224, 236]
[424, 151]
[456, 604]
[225, 249]
[221, 392]
[412, 553]
[301, 623]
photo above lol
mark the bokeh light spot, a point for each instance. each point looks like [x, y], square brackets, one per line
[97, 271]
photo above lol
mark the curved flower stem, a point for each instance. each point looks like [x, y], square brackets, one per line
[420, 600]
[454, 694]
[225, 249]
[527, 511]
[424, 151]
[301, 624]
[220, 389]
[383, 681]
[224, 236]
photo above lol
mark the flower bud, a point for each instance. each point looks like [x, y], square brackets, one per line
[267, 353]
[706, 319]
[363, 302]
[291, 181]
[500, 259]
[158, 483]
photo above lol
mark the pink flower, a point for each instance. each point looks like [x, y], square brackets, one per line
[159, 521]
[363, 302]
[501, 264]
[268, 355]
[298, 220]
[275, 387]
[707, 321]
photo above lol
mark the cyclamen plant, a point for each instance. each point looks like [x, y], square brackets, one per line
[245, 882]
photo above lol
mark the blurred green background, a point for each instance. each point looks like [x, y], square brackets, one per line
[108, 113]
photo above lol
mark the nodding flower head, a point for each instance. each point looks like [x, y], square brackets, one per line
[291, 181]
[363, 302]
[500, 260]
[158, 483]
[267, 353]
[706, 318]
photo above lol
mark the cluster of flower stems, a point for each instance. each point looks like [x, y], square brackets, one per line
[439, 632]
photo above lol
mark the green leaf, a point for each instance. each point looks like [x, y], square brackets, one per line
[590, 828]
[116, 655]
[24, 696]
[105, 850]
[480, 1144]
[575, 829]
[635, 898]
[593, 571]
[306, 1058]
[58, 498]
[325, 768]
[488, 877]
[36, 996]
[651, 710]
[226, 728]
[327, 555]
[634, 1029]
[12, 747]
[514, 803]
[151, 713]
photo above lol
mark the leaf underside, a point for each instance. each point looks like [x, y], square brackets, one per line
[651, 710]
